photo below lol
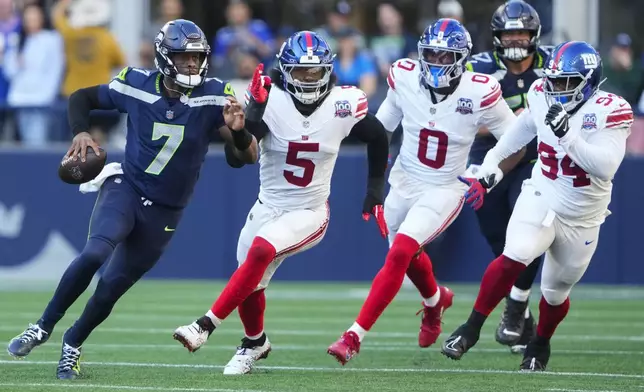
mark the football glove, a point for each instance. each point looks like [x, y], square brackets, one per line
[373, 205]
[480, 181]
[557, 119]
[257, 95]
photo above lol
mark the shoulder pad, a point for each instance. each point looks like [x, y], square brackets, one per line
[484, 89]
[535, 91]
[399, 69]
[484, 62]
[133, 76]
[618, 112]
[217, 86]
[350, 98]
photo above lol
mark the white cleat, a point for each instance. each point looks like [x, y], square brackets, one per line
[192, 336]
[246, 356]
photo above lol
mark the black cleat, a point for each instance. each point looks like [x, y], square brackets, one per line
[529, 332]
[512, 322]
[459, 342]
[32, 337]
[69, 364]
[536, 356]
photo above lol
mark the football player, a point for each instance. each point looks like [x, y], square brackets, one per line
[516, 62]
[582, 134]
[300, 123]
[441, 106]
[172, 113]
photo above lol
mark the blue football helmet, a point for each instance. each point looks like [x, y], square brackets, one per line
[305, 62]
[182, 36]
[443, 50]
[515, 15]
[573, 73]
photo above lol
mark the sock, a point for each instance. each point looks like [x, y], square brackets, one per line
[496, 283]
[527, 277]
[433, 300]
[388, 281]
[75, 281]
[519, 295]
[245, 279]
[251, 313]
[550, 316]
[358, 330]
[421, 273]
[209, 322]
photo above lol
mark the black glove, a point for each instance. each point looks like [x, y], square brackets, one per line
[557, 119]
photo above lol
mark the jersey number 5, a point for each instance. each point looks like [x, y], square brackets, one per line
[294, 148]
[548, 157]
[174, 133]
[441, 148]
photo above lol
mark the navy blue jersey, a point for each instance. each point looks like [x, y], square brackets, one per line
[167, 138]
[514, 89]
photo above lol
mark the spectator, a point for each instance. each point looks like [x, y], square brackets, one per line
[352, 66]
[242, 32]
[170, 10]
[91, 53]
[338, 19]
[9, 36]
[245, 62]
[35, 69]
[623, 73]
[394, 43]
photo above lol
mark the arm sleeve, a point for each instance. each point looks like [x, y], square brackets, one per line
[389, 113]
[83, 101]
[601, 154]
[521, 132]
[371, 131]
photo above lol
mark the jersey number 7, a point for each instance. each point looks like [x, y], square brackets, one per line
[294, 148]
[174, 133]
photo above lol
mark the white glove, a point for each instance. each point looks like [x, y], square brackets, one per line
[491, 175]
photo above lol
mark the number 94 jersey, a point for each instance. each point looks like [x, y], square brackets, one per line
[437, 137]
[298, 155]
[575, 172]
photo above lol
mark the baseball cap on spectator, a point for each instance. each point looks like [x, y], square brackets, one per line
[623, 40]
[450, 9]
[342, 7]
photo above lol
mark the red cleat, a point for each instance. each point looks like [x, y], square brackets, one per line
[430, 325]
[345, 348]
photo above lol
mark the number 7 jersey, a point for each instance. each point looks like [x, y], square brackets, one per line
[437, 137]
[298, 154]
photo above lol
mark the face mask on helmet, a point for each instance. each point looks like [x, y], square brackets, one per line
[515, 45]
[440, 65]
[570, 91]
[186, 68]
[307, 83]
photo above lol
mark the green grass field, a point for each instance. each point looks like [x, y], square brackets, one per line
[599, 347]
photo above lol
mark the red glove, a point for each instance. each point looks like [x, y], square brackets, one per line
[475, 194]
[259, 85]
[379, 213]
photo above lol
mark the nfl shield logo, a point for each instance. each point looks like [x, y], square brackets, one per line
[520, 83]
[432, 110]
[169, 114]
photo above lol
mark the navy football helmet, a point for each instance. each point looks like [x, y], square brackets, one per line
[573, 73]
[515, 16]
[305, 63]
[443, 50]
[179, 37]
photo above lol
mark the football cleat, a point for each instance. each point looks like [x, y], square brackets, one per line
[529, 331]
[345, 348]
[69, 364]
[247, 354]
[32, 337]
[512, 322]
[459, 342]
[195, 335]
[430, 325]
[536, 356]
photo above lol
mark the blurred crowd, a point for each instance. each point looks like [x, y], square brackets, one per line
[46, 53]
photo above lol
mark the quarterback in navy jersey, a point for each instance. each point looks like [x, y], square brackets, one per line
[172, 114]
[516, 62]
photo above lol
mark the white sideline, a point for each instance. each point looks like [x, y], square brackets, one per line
[122, 387]
[337, 369]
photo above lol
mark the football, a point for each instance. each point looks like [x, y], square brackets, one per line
[76, 172]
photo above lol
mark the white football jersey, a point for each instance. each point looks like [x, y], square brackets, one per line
[437, 137]
[298, 155]
[576, 171]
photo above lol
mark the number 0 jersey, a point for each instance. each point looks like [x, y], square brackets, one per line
[298, 154]
[437, 137]
[574, 173]
[167, 138]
